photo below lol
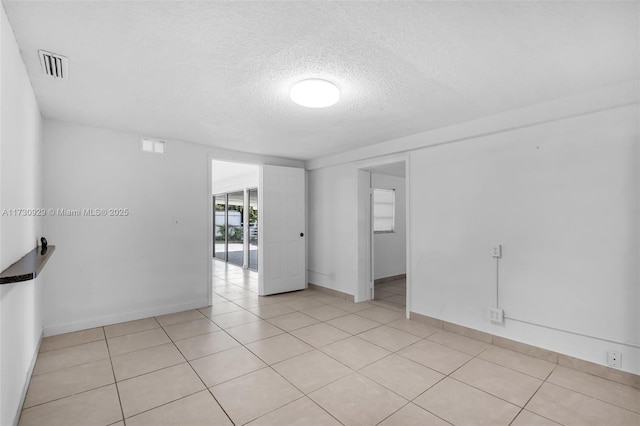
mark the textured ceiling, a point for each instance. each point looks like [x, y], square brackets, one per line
[218, 73]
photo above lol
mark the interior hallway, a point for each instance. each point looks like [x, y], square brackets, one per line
[393, 292]
[303, 358]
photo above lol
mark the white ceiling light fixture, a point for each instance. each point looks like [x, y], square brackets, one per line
[315, 93]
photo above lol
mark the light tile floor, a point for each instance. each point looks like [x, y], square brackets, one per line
[394, 292]
[304, 358]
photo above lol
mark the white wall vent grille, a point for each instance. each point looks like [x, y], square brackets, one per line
[153, 145]
[54, 65]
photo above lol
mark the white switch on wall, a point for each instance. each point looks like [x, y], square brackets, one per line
[497, 251]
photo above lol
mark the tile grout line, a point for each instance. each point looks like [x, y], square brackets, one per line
[67, 396]
[205, 386]
[304, 395]
[357, 371]
[164, 403]
[584, 394]
[70, 346]
[115, 380]
[534, 394]
[513, 369]
[323, 409]
[313, 348]
[473, 357]
[177, 399]
[593, 397]
[69, 367]
[422, 408]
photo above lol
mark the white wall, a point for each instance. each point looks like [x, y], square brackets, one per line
[332, 228]
[156, 259]
[561, 197]
[20, 187]
[390, 249]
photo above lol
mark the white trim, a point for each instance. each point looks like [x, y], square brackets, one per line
[365, 247]
[27, 380]
[260, 230]
[409, 274]
[210, 252]
[245, 229]
[364, 266]
[130, 316]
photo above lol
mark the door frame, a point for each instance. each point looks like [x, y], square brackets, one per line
[211, 251]
[366, 278]
[211, 244]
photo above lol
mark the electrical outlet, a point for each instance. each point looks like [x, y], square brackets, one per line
[496, 251]
[614, 359]
[496, 315]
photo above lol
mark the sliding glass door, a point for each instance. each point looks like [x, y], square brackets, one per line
[220, 226]
[235, 228]
[232, 244]
[253, 229]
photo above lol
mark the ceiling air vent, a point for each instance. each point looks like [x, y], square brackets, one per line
[54, 65]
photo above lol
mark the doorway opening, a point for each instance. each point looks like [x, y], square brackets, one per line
[386, 208]
[235, 213]
[389, 239]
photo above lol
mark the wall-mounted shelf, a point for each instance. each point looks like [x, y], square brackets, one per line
[28, 267]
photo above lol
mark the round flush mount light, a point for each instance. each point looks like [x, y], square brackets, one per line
[315, 93]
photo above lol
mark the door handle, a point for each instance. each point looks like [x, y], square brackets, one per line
[302, 234]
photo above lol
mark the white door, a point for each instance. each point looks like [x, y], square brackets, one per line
[281, 250]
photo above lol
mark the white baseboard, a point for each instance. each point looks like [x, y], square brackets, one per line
[52, 330]
[27, 380]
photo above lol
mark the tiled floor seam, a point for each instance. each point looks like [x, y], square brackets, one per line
[135, 332]
[513, 369]
[284, 359]
[208, 390]
[323, 409]
[203, 356]
[391, 390]
[454, 348]
[137, 350]
[386, 349]
[162, 405]
[148, 372]
[489, 393]
[115, 380]
[444, 376]
[594, 397]
[304, 395]
[70, 346]
[391, 414]
[308, 393]
[473, 355]
[69, 367]
[148, 347]
[422, 408]
[529, 400]
[67, 396]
